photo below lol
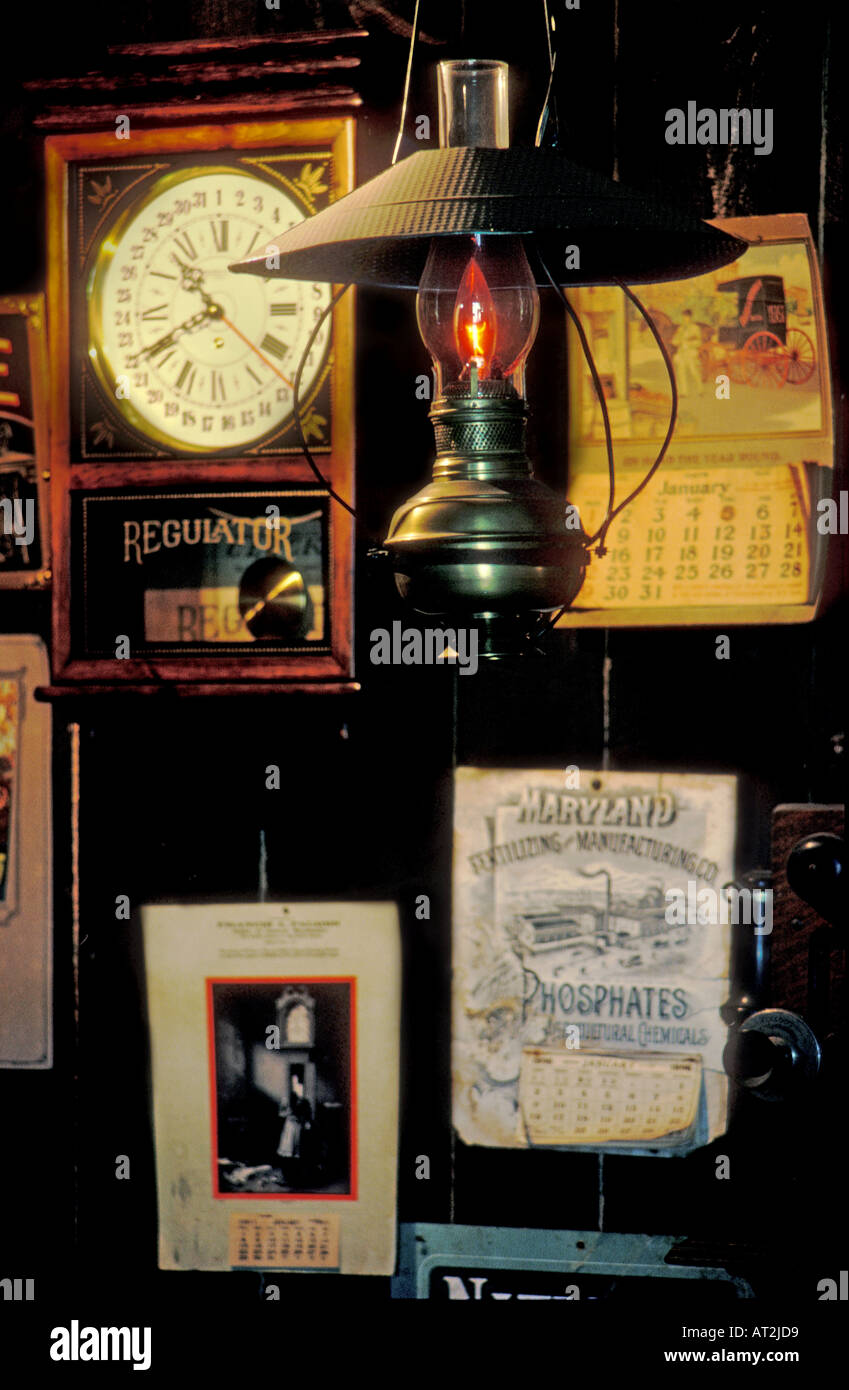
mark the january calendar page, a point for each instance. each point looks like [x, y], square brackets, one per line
[586, 1098]
[727, 529]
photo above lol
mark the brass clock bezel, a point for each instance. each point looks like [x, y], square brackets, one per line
[96, 355]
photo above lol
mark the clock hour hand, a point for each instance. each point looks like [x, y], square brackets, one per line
[198, 320]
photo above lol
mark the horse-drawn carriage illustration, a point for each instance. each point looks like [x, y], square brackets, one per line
[759, 349]
[758, 342]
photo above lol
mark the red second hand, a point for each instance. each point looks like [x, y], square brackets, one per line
[260, 355]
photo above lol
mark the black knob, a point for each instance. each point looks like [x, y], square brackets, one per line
[772, 1055]
[815, 873]
[751, 1058]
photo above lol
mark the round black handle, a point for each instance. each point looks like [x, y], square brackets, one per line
[772, 1055]
[816, 874]
[759, 1063]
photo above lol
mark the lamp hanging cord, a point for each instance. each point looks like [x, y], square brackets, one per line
[339, 293]
[543, 115]
[296, 404]
[612, 511]
[673, 409]
[552, 59]
[605, 417]
[413, 33]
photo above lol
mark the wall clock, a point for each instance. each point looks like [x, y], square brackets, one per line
[173, 396]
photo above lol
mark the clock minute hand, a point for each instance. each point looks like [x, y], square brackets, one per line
[211, 311]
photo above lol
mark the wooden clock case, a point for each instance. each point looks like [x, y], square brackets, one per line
[255, 94]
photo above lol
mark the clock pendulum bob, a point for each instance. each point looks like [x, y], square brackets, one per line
[274, 602]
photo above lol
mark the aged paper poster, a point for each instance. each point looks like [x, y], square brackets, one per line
[274, 1041]
[26, 871]
[567, 955]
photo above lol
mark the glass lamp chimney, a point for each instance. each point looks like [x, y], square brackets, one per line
[477, 304]
[478, 312]
[472, 96]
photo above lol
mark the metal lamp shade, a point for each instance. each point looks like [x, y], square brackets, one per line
[380, 234]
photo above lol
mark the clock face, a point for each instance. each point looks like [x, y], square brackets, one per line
[195, 358]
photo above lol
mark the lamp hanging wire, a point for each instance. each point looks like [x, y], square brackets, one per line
[552, 59]
[305, 448]
[600, 536]
[413, 33]
[296, 404]
[602, 401]
[673, 410]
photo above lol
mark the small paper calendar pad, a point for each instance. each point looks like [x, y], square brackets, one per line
[575, 1097]
[284, 1242]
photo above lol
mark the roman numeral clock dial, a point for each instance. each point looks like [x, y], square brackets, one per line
[196, 359]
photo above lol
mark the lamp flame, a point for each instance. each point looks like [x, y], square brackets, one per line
[475, 326]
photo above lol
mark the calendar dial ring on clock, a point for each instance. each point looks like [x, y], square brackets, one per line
[194, 359]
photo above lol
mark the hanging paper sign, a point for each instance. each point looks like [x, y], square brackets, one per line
[733, 527]
[591, 955]
[25, 857]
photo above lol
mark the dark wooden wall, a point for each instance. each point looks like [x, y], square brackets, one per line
[173, 798]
